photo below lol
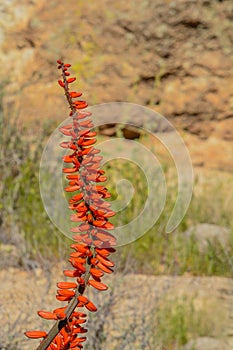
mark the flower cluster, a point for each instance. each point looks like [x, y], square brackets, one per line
[93, 243]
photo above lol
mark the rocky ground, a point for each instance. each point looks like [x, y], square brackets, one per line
[128, 312]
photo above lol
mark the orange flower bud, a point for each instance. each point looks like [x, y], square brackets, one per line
[83, 299]
[104, 260]
[91, 307]
[74, 94]
[60, 82]
[95, 272]
[71, 273]
[35, 334]
[47, 315]
[70, 80]
[63, 298]
[66, 292]
[97, 285]
[104, 267]
[66, 285]
[72, 188]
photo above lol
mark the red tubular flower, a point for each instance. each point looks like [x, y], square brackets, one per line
[93, 243]
[35, 334]
[70, 80]
[47, 315]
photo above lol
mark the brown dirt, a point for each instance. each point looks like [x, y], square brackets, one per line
[129, 305]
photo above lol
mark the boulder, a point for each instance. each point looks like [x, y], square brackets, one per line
[205, 234]
[205, 343]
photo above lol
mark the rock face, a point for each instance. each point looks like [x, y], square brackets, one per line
[208, 233]
[173, 56]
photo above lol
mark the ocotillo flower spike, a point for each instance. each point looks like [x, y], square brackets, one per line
[93, 243]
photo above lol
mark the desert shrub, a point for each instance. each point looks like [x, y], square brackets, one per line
[23, 219]
[176, 321]
[173, 253]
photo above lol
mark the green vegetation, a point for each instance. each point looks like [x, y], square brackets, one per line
[177, 321]
[24, 219]
[175, 253]
[84, 67]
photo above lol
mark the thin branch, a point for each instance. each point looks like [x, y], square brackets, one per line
[62, 323]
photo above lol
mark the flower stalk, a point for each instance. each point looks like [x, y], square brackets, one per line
[93, 243]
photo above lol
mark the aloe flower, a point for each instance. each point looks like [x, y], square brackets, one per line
[93, 243]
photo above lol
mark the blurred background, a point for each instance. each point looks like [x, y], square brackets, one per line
[175, 57]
